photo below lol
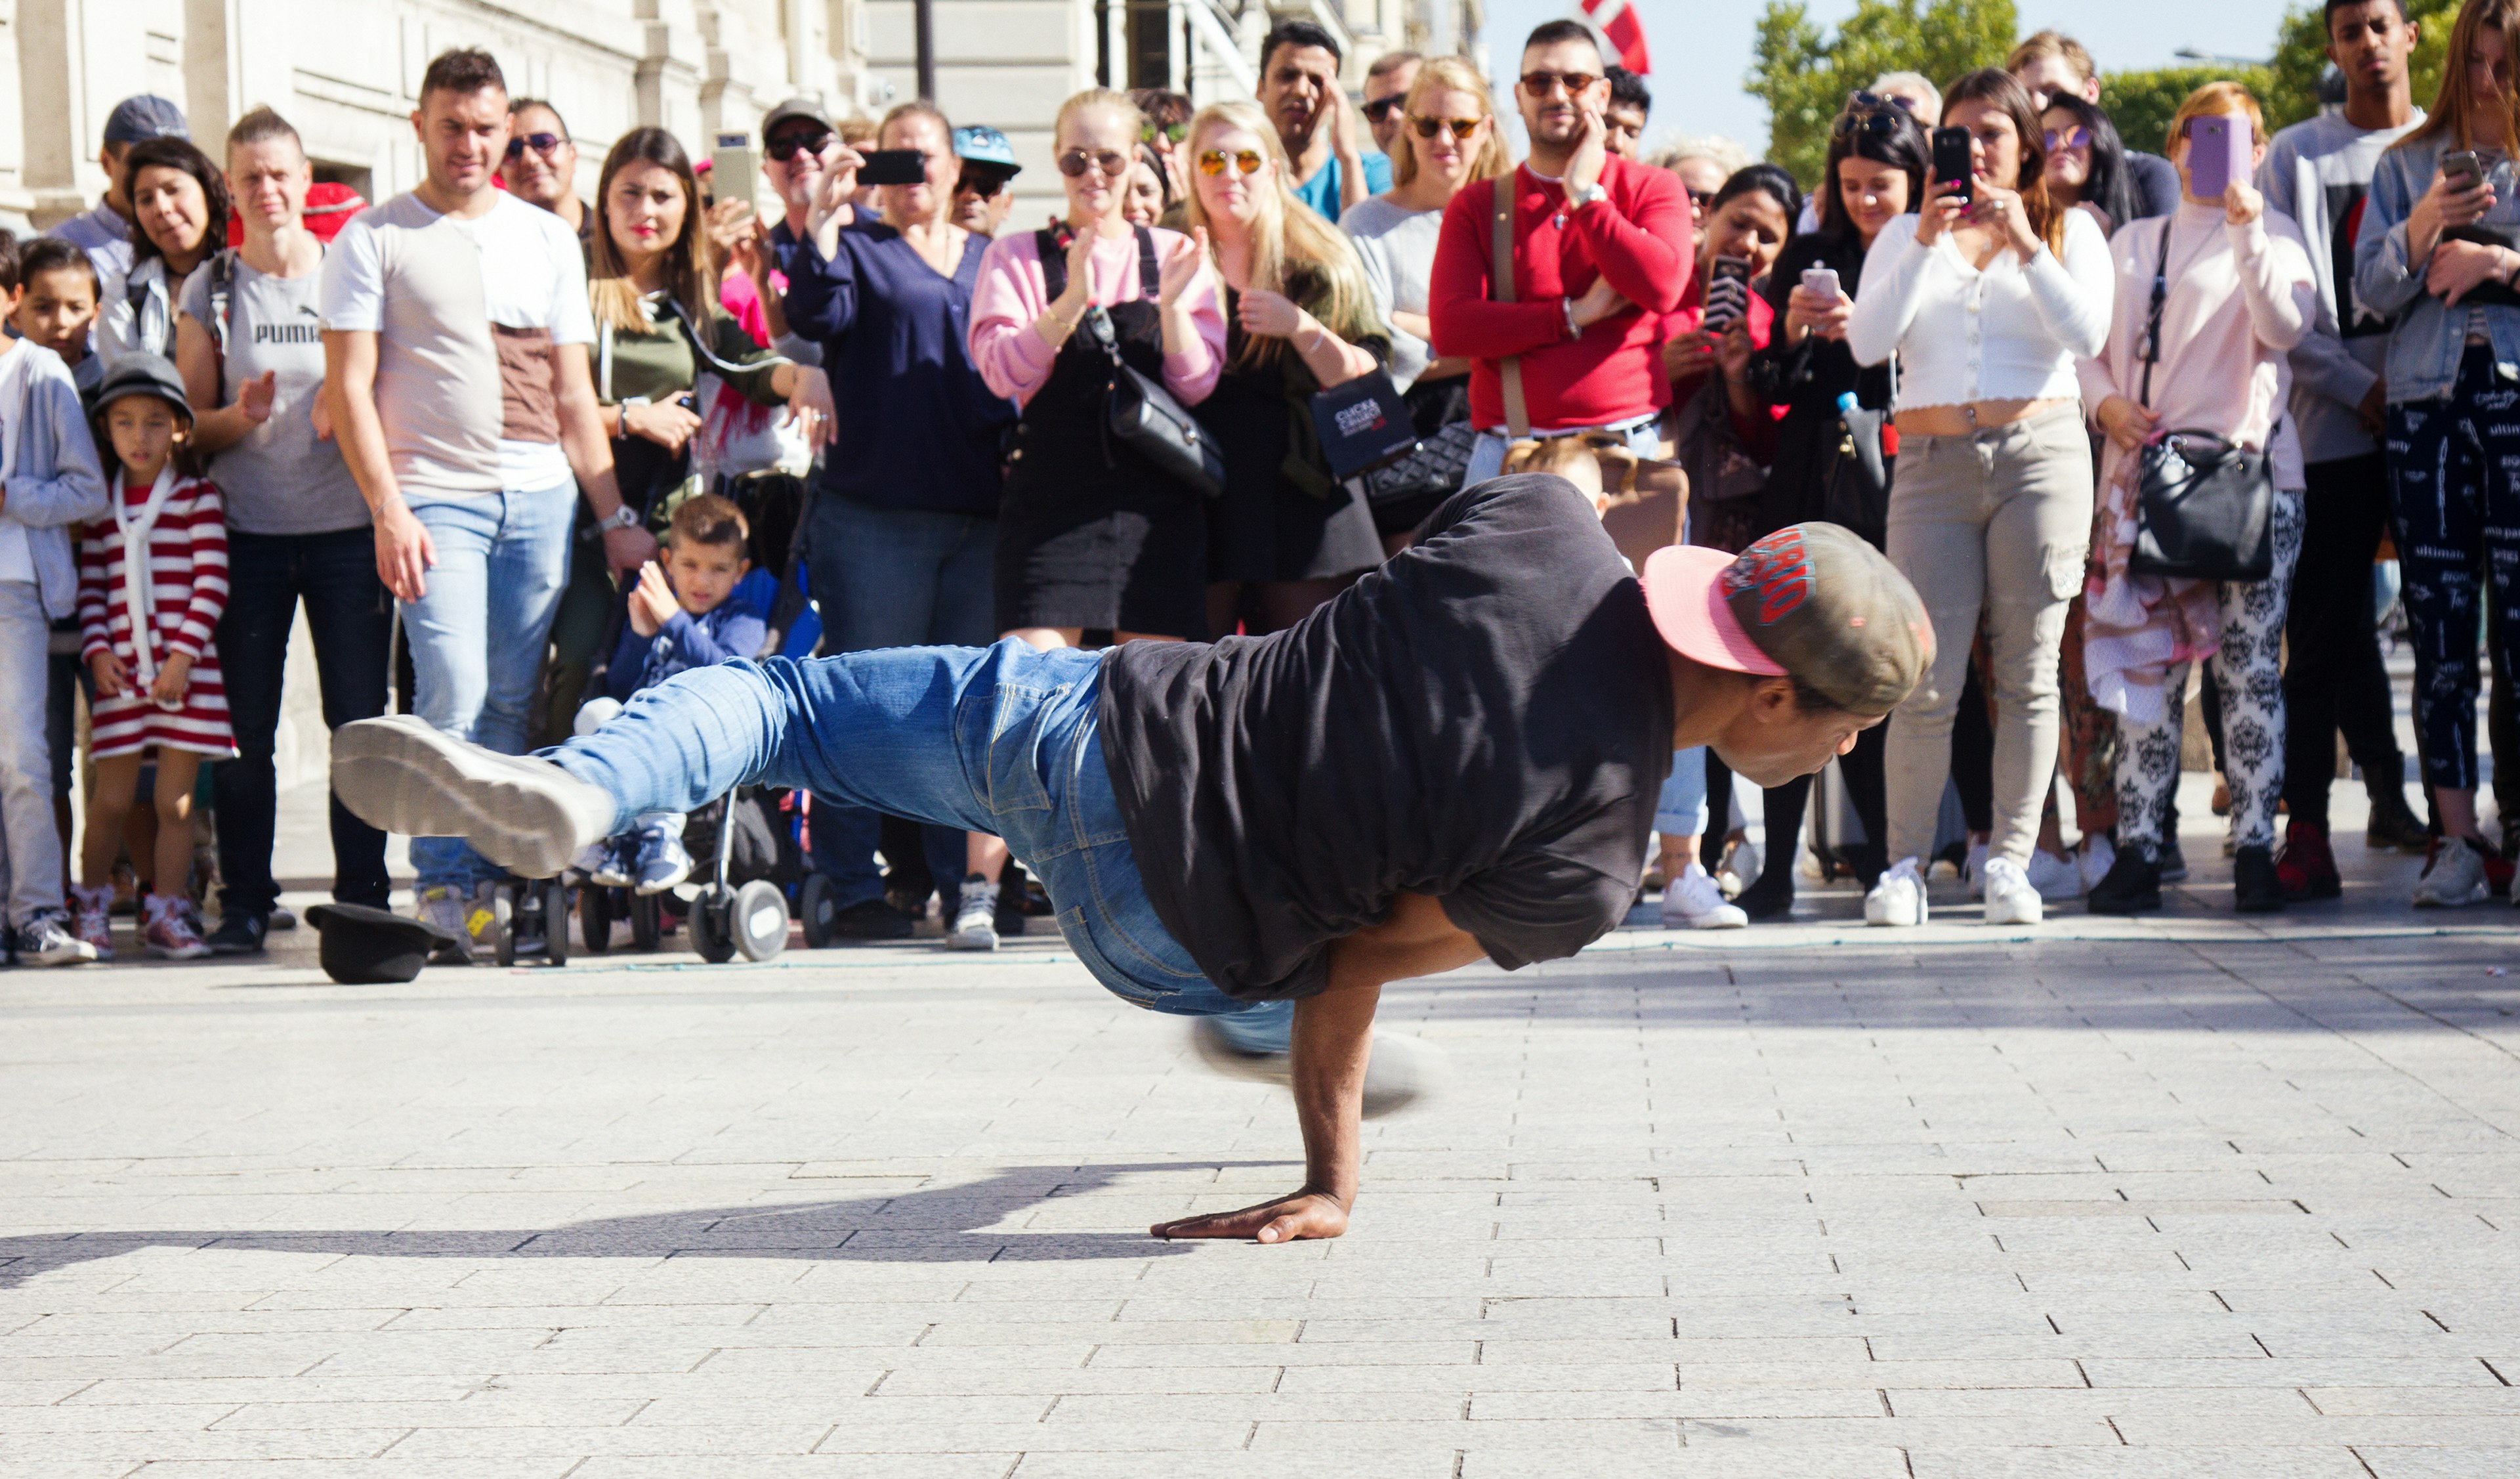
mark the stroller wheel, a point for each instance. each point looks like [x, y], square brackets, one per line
[555, 896]
[759, 917]
[503, 923]
[819, 908]
[712, 924]
[595, 919]
[646, 922]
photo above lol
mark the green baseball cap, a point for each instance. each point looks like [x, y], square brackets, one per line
[1811, 601]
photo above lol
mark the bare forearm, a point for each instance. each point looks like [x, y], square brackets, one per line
[362, 437]
[217, 430]
[1333, 1038]
[1333, 360]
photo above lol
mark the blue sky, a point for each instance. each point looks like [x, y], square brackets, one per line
[1701, 48]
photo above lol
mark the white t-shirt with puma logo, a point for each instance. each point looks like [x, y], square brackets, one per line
[279, 479]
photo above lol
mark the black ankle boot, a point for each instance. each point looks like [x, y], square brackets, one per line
[2393, 824]
[2133, 885]
[2254, 883]
[1773, 896]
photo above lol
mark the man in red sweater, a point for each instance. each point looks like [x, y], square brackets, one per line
[1600, 252]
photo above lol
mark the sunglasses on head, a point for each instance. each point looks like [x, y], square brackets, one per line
[2068, 138]
[1170, 133]
[1381, 108]
[1873, 116]
[1539, 84]
[540, 143]
[1243, 160]
[1459, 129]
[788, 146]
[1109, 162]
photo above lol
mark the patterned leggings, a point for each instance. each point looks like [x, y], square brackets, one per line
[2249, 666]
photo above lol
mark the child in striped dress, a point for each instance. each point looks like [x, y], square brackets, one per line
[148, 627]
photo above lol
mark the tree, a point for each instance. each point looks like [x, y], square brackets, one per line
[1804, 76]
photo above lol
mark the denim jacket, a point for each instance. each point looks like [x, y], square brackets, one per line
[2424, 348]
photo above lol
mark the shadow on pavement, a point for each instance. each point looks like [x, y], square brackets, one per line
[947, 1225]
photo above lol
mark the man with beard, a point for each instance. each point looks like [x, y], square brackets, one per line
[1299, 90]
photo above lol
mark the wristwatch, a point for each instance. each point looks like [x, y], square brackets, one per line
[622, 410]
[1574, 330]
[1587, 195]
[621, 517]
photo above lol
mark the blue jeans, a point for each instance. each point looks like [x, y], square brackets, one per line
[268, 575]
[996, 739]
[477, 638]
[893, 578]
[1681, 810]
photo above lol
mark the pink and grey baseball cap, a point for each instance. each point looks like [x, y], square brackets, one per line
[1811, 601]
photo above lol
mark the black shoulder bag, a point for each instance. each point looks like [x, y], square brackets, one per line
[1137, 410]
[2204, 507]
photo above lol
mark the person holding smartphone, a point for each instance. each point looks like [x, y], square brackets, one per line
[2436, 251]
[1988, 296]
[2236, 297]
[1875, 173]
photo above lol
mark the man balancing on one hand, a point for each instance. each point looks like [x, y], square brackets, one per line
[1456, 757]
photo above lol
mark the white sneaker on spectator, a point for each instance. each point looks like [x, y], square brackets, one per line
[46, 940]
[442, 906]
[2453, 876]
[1740, 867]
[2094, 858]
[2055, 877]
[2010, 897]
[975, 919]
[1899, 899]
[1974, 870]
[1693, 902]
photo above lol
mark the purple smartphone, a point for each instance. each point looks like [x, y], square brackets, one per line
[2217, 153]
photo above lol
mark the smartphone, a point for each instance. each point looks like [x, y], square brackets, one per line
[2212, 142]
[893, 167]
[1951, 165]
[1822, 281]
[2461, 170]
[1727, 293]
[735, 169]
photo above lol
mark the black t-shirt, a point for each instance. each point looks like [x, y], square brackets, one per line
[1486, 719]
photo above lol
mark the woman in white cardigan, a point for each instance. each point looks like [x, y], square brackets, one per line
[1988, 302]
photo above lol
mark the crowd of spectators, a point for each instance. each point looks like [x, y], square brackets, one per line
[520, 452]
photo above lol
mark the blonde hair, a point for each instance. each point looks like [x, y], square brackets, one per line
[1091, 99]
[1290, 243]
[1453, 75]
[2450, 106]
[1729, 156]
[855, 129]
[2040, 45]
[2218, 100]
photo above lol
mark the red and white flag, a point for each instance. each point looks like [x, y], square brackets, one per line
[1617, 21]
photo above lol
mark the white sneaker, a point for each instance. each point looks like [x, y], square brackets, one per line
[1740, 867]
[976, 921]
[1974, 870]
[2094, 860]
[1899, 899]
[46, 940]
[450, 911]
[1693, 902]
[2055, 877]
[2453, 876]
[521, 812]
[2010, 897]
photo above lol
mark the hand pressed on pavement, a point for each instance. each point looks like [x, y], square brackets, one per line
[1304, 1213]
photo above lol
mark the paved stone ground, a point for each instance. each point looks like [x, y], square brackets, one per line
[2130, 1201]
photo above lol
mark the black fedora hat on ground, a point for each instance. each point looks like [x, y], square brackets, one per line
[367, 947]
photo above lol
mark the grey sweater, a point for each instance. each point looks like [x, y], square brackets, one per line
[48, 465]
[2317, 172]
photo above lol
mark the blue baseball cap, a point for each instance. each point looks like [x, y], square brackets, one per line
[983, 145]
[137, 120]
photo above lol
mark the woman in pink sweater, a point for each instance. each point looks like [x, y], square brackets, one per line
[2237, 294]
[1092, 534]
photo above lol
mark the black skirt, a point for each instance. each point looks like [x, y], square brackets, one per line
[1265, 528]
[1084, 546]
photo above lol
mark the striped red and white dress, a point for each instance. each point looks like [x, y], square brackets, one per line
[188, 572]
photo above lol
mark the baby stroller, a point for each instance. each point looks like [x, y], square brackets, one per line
[742, 907]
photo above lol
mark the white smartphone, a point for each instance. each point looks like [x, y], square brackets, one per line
[1821, 281]
[735, 169]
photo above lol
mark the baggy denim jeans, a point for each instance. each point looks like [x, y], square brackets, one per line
[478, 636]
[999, 739]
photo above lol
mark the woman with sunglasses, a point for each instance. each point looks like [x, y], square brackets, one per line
[1989, 294]
[1447, 137]
[1872, 176]
[2087, 164]
[1301, 319]
[1091, 533]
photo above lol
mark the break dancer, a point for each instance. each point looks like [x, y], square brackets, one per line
[1458, 758]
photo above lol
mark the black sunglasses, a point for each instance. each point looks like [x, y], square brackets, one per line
[788, 146]
[988, 184]
[1381, 108]
[544, 144]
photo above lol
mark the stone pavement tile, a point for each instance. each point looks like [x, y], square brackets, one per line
[793, 1466]
[137, 1445]
[2464, 1430]
[2443, 1371]
[19, 1420]
[429, 1443]
[1397, 1463]
[2031, 1463]
[1292, 1354]
[1148, 1431]
[2442, 1462]
[1608, 1439]
[1702, 1402]
[476, 1410]
[2402, 1402]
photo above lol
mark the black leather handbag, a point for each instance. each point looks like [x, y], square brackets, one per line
[1139, 412]
[2204, 507]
